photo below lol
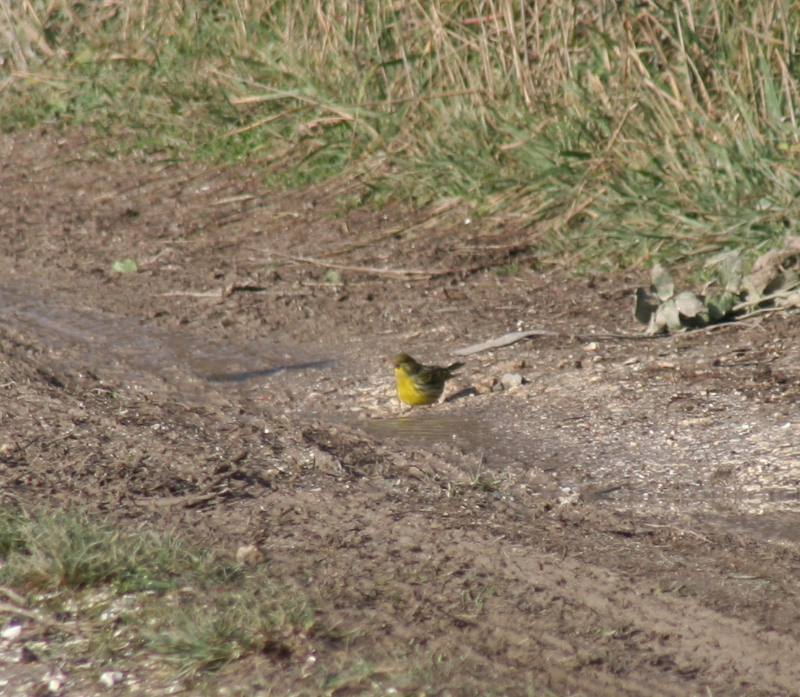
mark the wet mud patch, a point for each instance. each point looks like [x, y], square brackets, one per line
[619, 520]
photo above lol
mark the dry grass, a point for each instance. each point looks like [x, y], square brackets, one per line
[613, 131]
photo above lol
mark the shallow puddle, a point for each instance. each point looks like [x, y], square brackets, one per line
[775, 528]
[465, 433]
[178, 365]
[245, 375]
[449, 435]
[146, 357]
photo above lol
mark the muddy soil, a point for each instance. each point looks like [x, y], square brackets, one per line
[624, 521]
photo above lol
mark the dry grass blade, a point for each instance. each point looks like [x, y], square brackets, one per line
[378, 271]
[38, 617]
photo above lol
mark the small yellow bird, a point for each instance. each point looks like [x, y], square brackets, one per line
[420, 384]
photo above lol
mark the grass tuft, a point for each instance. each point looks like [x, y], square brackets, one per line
[200, 637]
[70, 551]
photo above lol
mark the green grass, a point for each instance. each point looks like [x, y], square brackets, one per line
[612, 131]
[156, 605]
[70, 551]
[511, 269]
[253, 617]
[135, 591]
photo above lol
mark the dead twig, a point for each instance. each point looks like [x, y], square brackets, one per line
[360, 244]
[185, 501]
[11, 594]
[396, 273]
[514, 337]
[38, 617]
[505, 340]
[680, 530]
[215, 294]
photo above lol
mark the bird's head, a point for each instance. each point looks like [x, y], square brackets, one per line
[403, 361]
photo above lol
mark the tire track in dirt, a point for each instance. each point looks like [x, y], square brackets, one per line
[504, 607]
[448, 582]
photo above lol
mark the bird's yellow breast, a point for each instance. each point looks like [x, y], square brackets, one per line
[410, 393]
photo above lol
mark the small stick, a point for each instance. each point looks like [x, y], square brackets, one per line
[363, 269]
[514, 337]
[505, 340]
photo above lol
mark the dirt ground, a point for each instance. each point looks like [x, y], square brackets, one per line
[624, 522]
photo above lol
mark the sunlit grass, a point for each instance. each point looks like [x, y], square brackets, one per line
[123, 596]
[46, 553]
[158, 592]
[612, 132]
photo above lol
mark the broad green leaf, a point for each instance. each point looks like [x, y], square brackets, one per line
[666, 317]
[662, 286]
[658, 324]
[127, 265]
[730, 272]
[767, 270]
[749, 289]
[720, 305]
[688, 304]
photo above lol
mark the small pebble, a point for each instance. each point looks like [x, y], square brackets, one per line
[250, 555]
[111, 678]
[510, 380]
[11, 633]
[486, 386]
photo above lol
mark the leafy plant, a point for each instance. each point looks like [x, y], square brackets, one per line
[773, 284]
